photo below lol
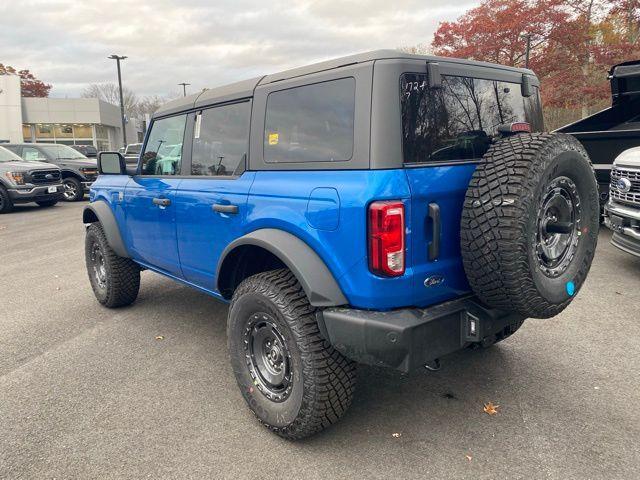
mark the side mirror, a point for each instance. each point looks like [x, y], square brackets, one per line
[111, 163]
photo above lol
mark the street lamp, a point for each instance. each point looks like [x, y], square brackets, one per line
[184, 88]
[117, 58]
[527, 36]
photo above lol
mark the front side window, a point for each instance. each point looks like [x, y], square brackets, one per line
[163, 151]
[33, 154]
[221, 139]
[312, 123]
[459, 120]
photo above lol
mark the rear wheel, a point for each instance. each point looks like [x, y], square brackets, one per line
[6, 205]
[73, 189]
[47, 203]
[292, 379]
[530, 224]
[115, 280]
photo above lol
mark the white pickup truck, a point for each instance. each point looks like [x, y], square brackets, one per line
[622, 212]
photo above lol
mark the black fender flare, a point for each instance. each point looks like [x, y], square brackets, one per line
[99, 211]
[316, 279]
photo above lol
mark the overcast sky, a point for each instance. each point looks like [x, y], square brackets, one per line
[205, 43]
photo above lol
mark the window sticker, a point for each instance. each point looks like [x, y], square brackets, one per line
[273, 138]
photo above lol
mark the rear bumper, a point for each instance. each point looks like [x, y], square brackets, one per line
[624, 221]
[35, 194]
[407, 339]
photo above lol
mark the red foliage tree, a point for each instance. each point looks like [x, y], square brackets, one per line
[30, 86]
[574, 42]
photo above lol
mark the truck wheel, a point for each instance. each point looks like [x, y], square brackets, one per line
[6, 205]
[530, 224]
[289, 375]
[47, 203]
[115, 280]
[73, 190]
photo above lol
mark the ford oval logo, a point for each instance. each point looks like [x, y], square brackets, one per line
[48, 176]
[433, 281]
[624, 185]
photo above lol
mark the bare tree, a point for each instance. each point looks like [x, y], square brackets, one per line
[109, 93]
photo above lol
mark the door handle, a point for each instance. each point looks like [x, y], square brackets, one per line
[434, 244]
[163, 202]
[225, 208]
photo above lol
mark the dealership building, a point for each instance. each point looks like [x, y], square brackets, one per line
[70, 121]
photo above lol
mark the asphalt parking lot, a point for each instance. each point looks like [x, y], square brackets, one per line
[146, 391]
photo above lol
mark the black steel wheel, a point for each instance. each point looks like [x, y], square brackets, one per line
[292, 379]
[268, 357]
[558, 227]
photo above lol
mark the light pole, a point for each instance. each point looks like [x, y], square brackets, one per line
[527, 36]
[117, 58]
[184, 88]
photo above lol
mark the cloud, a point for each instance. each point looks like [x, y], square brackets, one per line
[205, 43]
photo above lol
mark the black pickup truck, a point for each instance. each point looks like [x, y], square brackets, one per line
[608, 133]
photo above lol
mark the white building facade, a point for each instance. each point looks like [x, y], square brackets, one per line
[70, 121]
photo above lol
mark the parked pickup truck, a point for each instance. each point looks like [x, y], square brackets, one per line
[24, 182]
[78, 171]
[383, 208]
[608, 133]
[622, 212]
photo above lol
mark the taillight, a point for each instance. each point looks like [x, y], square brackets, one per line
[386, 238]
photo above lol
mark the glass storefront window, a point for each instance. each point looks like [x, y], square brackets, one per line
[102, 132]
[63, 131]
[82, 131]
[26, 132]
[44, 130]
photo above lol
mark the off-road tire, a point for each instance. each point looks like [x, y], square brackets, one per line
[121, 275]
[47, 203]
[323, 380]
[77, 188]
[6, 204]
[500, 221]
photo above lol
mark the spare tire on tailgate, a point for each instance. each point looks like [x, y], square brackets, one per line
[530, 224]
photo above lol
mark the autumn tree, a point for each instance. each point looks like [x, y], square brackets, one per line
[30, 86]
[573, 43]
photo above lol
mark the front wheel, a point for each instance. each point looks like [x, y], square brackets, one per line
[6, 205]
[73, 189]
[115, 280]
[292, 379]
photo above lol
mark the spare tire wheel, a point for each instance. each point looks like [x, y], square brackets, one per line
[530, 224]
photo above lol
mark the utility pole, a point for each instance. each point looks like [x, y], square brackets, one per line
[184, 88]
[117, 58]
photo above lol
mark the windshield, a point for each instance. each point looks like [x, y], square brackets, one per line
[61, 151]
[8, 156]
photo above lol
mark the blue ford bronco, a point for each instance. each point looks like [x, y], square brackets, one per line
[383, 208]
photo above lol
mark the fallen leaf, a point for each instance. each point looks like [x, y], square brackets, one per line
[490, 408]
[396, 435]
[159, 337]
[469, 457]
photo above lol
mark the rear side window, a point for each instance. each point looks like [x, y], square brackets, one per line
[312, 123]
[221, 139]
[163, 151]
[458, 120]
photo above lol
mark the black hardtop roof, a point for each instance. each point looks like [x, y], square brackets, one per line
[245, 88]
[626, 69]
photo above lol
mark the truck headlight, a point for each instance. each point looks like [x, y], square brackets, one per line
[16, 178]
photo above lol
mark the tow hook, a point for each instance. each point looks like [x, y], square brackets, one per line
[433, 366]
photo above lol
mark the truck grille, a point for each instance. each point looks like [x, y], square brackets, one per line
[633, 195]
[40, 177]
